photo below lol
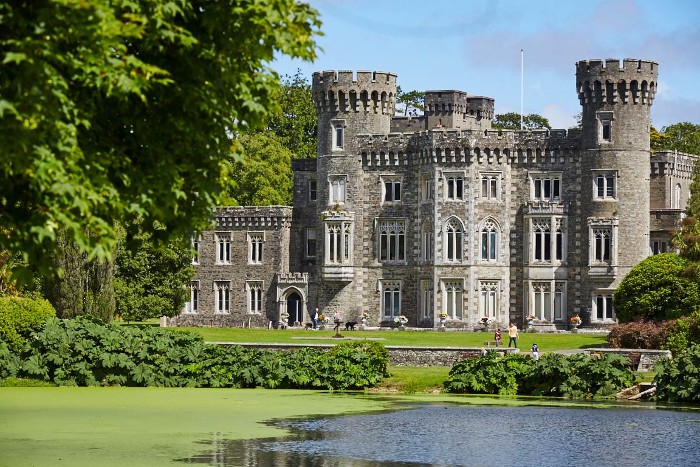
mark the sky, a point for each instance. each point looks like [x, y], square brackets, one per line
[474, 46]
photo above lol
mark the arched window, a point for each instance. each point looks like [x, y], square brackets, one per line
[489, 241]
[454, 240]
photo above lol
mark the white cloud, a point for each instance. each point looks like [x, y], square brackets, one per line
[559, 116]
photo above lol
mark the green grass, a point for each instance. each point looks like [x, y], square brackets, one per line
[414, 379]
[546, 342]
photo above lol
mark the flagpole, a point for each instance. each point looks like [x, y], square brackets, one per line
[522, 57]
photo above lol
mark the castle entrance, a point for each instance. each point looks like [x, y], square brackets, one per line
[294, 309]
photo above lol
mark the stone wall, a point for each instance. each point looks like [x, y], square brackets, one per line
[640, 359]
[398, 355]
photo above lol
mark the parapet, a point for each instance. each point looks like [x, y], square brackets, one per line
[630, 81]
[343, 91]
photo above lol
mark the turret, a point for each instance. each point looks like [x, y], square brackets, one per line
[616, 98]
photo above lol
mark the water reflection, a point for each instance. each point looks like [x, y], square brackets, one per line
[441, 435]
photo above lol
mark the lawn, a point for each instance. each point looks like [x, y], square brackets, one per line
[546, 342]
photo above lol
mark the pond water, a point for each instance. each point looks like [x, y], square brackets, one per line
[459, 435]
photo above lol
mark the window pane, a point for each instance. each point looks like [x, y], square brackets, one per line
[538, 189]
[600, 306]
[387, 191]
[484, 188]
[547, 188]
[401, 247]
[459, 188]
[547, 246]
[601, 186]
[492, 246]
[484, 245]
[610, 181]
[397, 191]
[555, 188]
[493, 188]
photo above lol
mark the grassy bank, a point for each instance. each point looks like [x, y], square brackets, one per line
[546, 342]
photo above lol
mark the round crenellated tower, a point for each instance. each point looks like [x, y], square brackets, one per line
[616, 98]
[348, 105]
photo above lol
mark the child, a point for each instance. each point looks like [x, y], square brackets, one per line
[497, 337]
[535, 352]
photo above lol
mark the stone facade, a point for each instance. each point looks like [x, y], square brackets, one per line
[440, 213]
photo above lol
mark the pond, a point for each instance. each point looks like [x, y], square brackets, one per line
[457, 435]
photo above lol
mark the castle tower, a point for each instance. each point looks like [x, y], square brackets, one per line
[616, 99]
[347, 105]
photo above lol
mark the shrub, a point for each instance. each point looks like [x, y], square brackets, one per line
[20, 316]
[490, 374]
[678, 379]
[639, 335]
[575, 376]
[83, 352]
[656, 289]
[683, 332]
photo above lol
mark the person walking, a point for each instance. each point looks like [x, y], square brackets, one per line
[497, 337]
[314, 318]
[535, 352]
[513, 335]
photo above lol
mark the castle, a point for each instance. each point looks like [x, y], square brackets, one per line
[441, 215]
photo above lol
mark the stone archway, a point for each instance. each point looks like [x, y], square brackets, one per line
[295, 309]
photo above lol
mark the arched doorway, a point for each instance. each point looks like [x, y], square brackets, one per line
[294, 309]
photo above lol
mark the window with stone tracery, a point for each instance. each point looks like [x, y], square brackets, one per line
[452, 293]
[454, 241]
[488, 299]
[546, 187]
[454, 187]
[192, 306]
[391, 299]
[489, 241]
[602, 244]
[548, 244]
[547, 300]
[338, 242]
[427, 241]
[392, 240]
[254, 290]
[222, 295]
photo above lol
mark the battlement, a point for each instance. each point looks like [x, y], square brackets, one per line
[347, 78]
[614, 65]
[343, 91]
[611, 81]
[262, 217]
[469, 146]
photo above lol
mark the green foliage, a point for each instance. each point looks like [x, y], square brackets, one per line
[511, 121]
[150, 280]
[683, 332]
[639, 335]
[657, 289]
[264, 177]
[682, 137]
[295, 121]
[112, 108]
[84, 286]
[19, 317]
[83, 352]
[678, 379]
[574, 376]
[687, 239]
[490, 374]
[410, 101]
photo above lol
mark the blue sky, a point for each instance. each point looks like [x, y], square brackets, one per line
[474, 46]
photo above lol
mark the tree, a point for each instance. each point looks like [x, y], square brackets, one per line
[656, 289]
[149, 280]
[410, 100]
[295, 121]
[511, 121]
[114, 108]
[682, 137]
[264, 176]
[84, 285]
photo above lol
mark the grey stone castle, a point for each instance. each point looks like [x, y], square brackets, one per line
[441, 215]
